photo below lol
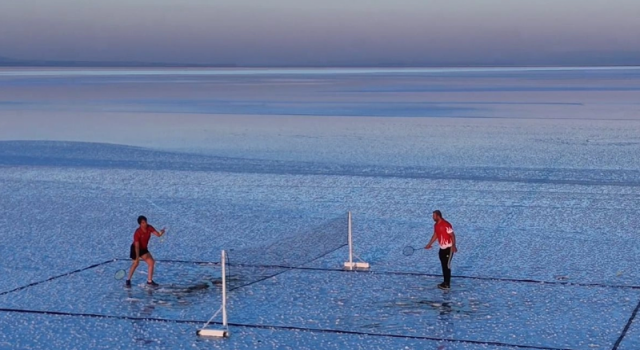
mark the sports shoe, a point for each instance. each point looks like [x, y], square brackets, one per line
[152, 284]
[444, 286]
[127, 283]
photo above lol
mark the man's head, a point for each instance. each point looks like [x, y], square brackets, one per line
[437, 215]
[142, 221]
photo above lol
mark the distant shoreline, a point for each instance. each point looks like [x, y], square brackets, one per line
[187, 70]
[108, 65]
[17, 63]
[313, 67]
[2, 65]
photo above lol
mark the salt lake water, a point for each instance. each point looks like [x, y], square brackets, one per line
[536, 168]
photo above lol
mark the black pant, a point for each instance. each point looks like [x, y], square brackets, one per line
[445, 260]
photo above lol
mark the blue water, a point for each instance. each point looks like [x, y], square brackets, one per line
[536, 169]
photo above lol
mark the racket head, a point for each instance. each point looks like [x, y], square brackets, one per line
[120, 274]
[164, 235]
[408, 251]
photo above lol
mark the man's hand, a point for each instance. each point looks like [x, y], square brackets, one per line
[428, 246]
[454, 249]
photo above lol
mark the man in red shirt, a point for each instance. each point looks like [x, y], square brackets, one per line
[139, 249]
[443, 232]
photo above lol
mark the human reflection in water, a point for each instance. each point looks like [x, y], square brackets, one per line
[140, 332]
[445, 320]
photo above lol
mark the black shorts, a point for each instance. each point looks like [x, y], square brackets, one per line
[132, 252]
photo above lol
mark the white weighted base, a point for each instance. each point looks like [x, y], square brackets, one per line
[217, 333]
[356, 265]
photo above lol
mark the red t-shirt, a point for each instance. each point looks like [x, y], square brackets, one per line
[444, 232]
[143, 237]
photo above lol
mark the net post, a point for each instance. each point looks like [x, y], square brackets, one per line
[224, 289]
[350, 239]
[219, 333]
[351, 265]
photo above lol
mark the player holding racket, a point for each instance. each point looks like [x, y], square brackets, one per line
[443, 232]
[139, 249]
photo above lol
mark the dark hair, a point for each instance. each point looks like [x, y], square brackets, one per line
[438, 212]
[141, 218]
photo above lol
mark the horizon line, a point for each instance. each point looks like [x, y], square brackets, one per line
[362, 66]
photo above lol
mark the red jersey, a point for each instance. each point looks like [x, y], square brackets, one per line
[444, 233]
[143, 237]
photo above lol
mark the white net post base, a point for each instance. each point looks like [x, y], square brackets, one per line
[215, 333]
[353, 265]
[219, 333]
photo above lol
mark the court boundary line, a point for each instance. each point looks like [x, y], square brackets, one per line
[626, 328]
[320, 269]
[315, 330]
[401, 273]
[57, 276]
[322, 330]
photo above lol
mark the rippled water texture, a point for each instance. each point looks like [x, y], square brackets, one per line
[536, 169]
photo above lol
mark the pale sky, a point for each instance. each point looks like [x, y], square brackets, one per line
[324, 32]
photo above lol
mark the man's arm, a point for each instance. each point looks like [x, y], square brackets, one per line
[454, 248]
[433, 239]
[158, 234]
[137, 248]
